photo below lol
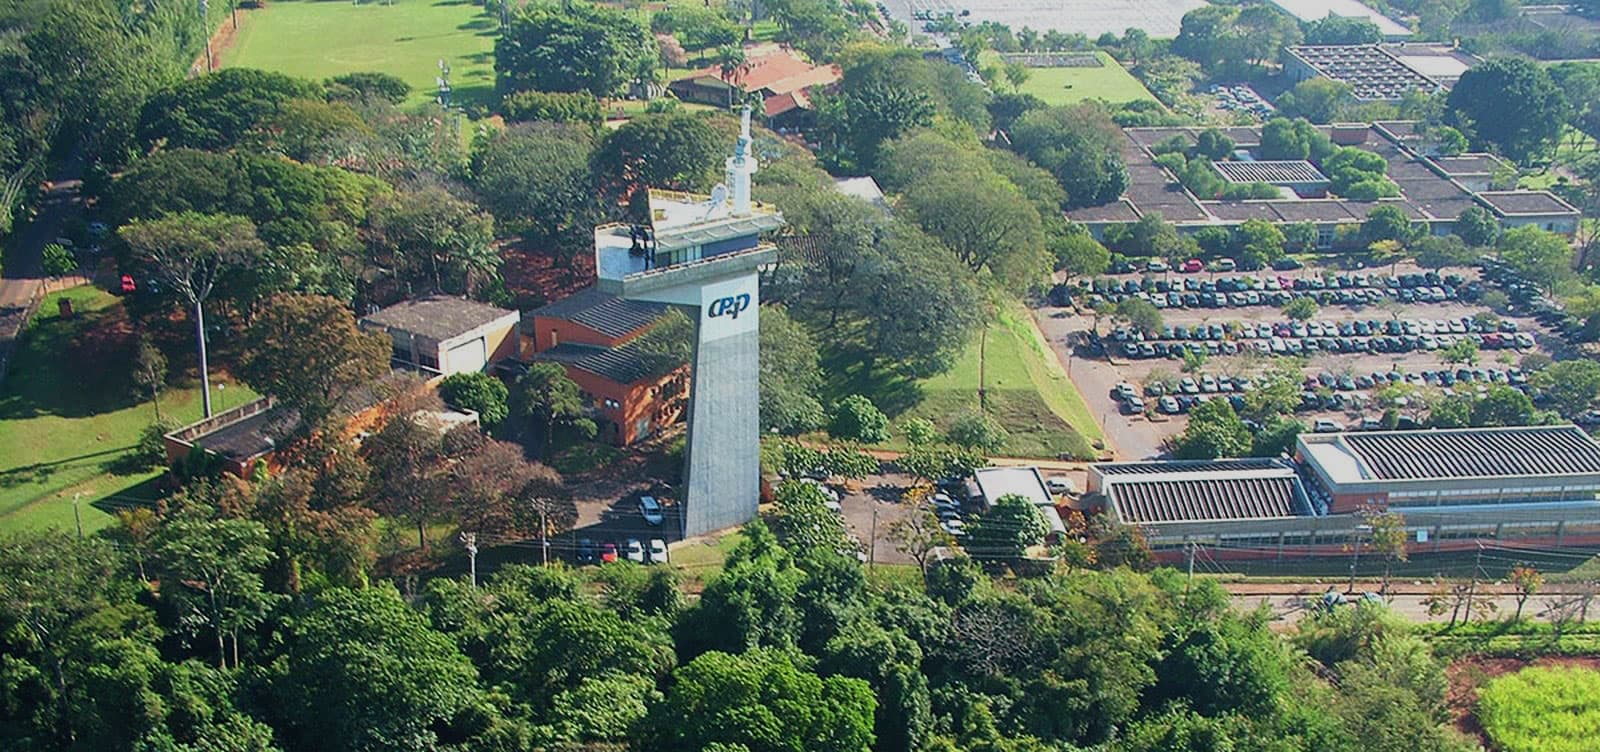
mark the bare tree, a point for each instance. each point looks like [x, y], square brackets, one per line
[918, 535]
[1527, 581]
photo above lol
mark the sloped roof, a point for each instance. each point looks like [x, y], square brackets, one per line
[627, 364]
[437, 317]
[606, 314]
[773, 68]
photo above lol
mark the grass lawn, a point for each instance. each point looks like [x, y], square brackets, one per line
[65, 432]
[1027, 391]
[407, 38]
[1056, 86]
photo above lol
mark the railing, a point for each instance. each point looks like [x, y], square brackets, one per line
[187, 434]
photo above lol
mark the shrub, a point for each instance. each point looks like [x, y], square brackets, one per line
[1546, 709]
[978, 431]
[151, 451]
[560, 107]
[479, 392]
[857, 419]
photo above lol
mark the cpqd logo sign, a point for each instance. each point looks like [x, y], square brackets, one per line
[730, 306]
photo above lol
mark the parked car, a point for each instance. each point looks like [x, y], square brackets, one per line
[585, 551]
[658, 551]
[1224, 265]
[1060, 485]
[608, 552]
[1156, 266]
[635, 550]
[1192, 265]
[650, 510]
[1323, 425]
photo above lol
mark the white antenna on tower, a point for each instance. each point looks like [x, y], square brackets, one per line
[741, 166]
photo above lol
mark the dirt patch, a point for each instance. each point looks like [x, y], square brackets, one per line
[534, 279]
[222, 40]
[1468, 674]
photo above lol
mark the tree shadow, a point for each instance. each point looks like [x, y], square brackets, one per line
[142, 494]
[71, 367]
[479, 24]
[849, 373]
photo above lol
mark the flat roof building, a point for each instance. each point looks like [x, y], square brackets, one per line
[1176, 500]
[439, 334]
[995, 482]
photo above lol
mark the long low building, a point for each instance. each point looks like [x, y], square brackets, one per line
[1453, 467]
[1539, 485]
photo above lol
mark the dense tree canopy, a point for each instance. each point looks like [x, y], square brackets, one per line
[215, 111]
[1510, 105]
[576, 47]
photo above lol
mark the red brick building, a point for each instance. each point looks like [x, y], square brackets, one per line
[632, 393]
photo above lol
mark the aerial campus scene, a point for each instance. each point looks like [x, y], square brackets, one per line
[946, 375]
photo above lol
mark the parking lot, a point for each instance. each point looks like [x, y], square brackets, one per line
[1371, 329]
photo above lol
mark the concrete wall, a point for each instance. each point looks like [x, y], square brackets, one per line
[723, 455]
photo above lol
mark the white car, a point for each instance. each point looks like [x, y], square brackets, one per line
[954, 527]
[834, 506]
[1058, 485]
[650, 510]
[658, 551]
[634, 551]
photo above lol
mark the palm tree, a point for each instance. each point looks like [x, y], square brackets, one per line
[730, 59]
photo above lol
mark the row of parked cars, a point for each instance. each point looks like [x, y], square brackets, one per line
[632, 549]
[1302, 338]
[1243, 291]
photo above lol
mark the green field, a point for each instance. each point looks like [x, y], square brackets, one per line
[1027, 392]
[1110, 82]
[63, 434]
[407, 38]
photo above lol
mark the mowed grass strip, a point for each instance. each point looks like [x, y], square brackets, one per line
[1058, 86]
[1025, 391]
[406, 38]
[69, 418]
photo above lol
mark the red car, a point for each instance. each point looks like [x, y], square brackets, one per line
[1191, 266]
[127, 283]
[608, 552]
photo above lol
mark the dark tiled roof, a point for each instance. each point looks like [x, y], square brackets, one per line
[1469, 164]
[1239, 211]
[624, 365]
[606, 314]
[437, 317]
[1331, 210]
[1220, 498]
[1120, 211]
[1188, 466]
[1477, 452]
[1525, 202]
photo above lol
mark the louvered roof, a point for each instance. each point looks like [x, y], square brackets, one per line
[1475, 452]
[1153, 500]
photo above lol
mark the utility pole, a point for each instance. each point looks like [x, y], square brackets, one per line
[205, 28]
[1355, 558]
[205, 376]
[983, 344]
[544, 541]
[1472, 589]
[471, 541]
[1190, 567]
[76, 516]
[872, 547]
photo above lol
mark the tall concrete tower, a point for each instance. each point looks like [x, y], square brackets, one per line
[704, 251]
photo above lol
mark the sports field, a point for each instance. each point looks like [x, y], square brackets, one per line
[1067, 85]
[406, 38]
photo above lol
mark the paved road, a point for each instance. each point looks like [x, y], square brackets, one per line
[23, 268]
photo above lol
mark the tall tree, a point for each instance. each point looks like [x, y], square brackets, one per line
[984, 219]
[307, 352]
[428, 236]
[211, 572]
[536, 180]
[214, 111]
[573, 48]
[191, 252]
[677, 150]
[546, 395]
[1510, 104]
